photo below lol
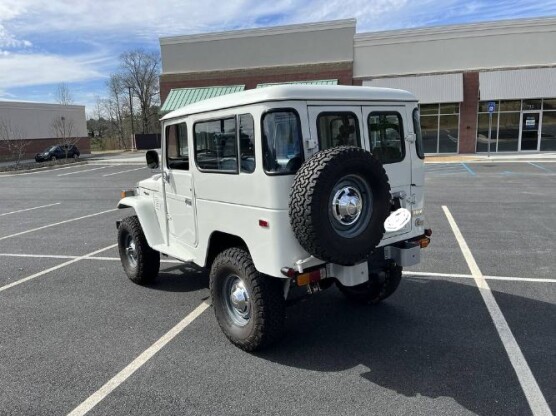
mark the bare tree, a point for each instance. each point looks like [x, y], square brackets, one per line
[140, 75]
[116, 106]
[12, 139]
[63, 94]
[62, 126]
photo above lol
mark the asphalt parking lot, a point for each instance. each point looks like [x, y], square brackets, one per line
[71, 323]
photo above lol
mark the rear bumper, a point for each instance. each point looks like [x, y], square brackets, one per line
[406, 256]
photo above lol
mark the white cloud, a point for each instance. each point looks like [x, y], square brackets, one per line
[21, 70]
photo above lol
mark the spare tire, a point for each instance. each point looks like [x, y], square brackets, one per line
[339, 201]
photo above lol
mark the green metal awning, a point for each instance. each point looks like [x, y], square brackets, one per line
[311, 82]
[180, 97]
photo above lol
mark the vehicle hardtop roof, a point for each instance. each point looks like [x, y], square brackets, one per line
[294, 92]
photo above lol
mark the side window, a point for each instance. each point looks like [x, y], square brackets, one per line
[177, 150]
[282, 142]
[418, 134]
[386, 136]
[338, 129]
[247, 143]
[216, 145]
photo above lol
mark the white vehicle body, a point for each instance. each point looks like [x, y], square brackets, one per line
[187, 213]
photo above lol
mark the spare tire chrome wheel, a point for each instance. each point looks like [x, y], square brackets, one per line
[339, 201]
[350, 206]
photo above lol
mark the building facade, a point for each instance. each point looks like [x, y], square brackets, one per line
[457, 72]
[39, 124]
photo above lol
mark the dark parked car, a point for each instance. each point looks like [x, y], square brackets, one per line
[58, 152]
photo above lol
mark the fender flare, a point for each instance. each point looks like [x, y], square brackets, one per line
[147, 216]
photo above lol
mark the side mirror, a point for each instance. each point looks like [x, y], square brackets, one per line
[152, 159]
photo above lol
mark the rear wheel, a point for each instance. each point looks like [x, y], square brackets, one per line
[249, 306]
[380, 286]
[53, 158]
[141, 263]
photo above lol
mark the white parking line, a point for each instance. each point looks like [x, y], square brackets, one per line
[124, 171]
[132, 367]
[533, 393]
[30, 209]
[67, 263]
[82, 171]
[43, 170]
[469, 276]
[60, 256]
[56, 223]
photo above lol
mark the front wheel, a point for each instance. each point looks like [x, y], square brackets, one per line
[379, 286]
[141, 263]
[249, 306]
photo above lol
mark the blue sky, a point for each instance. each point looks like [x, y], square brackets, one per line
[45, 42]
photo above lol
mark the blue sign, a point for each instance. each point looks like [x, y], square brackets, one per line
[491, 107]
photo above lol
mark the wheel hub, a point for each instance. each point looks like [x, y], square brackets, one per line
[347, 205]
[131, 250]
[237, 300]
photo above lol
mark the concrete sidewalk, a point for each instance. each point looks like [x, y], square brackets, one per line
[484, 158]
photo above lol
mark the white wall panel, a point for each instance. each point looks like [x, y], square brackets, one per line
[517, 84]
[446, 88]
[494, 45]
[34, 120]
[280, 46]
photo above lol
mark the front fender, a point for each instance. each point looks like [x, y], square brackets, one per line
[144, 208]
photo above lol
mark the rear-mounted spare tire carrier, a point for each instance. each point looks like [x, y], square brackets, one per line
[338, 203]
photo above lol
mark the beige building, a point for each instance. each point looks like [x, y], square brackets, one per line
[455, 71]
[34, 122]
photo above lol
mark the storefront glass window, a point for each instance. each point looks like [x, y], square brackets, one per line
[549, 104]
[548, 133]
[508, 132]
[429, 130]
[440, 127]
[482, 133]
[532, 104]
[448, 134]
[514, 105]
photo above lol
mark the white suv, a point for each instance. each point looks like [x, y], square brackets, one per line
[278, 189]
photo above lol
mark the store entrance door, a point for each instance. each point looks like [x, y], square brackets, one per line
[530, 131]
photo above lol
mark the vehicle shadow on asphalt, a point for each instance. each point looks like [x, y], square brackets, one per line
[432, 338]
[180, 278]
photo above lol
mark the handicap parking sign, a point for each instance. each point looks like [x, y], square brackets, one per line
[491, 107]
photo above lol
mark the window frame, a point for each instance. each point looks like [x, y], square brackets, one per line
[208, 120]
[238, 139]
[402, 135]
[357, 130]
[419, 148]
[264, 144]
[166, 156]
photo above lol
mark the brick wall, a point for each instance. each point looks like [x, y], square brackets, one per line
[468, 113]
[38, 145]
[342, 71]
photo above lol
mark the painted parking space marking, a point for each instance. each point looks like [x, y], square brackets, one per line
[83, 171]
[43, 170]
[441, 169]
[30, 209]
[138, 362]
[540, 167]
[66, 257]
[529, 385]
[124, 171]
[51, 269]
[56, 223]
[471, 171]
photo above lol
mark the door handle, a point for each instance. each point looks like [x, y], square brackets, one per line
[166, 176]
[188, 201]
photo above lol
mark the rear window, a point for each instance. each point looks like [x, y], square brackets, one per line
[386, 136]
[338, 129]
[282, 142]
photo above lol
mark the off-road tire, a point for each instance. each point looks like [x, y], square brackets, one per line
[147, 265]
[310, 208]
[267, 319]
[374, 290]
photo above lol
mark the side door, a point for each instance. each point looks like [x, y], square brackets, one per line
[385, 131]
[179, 189]
[336, 126]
